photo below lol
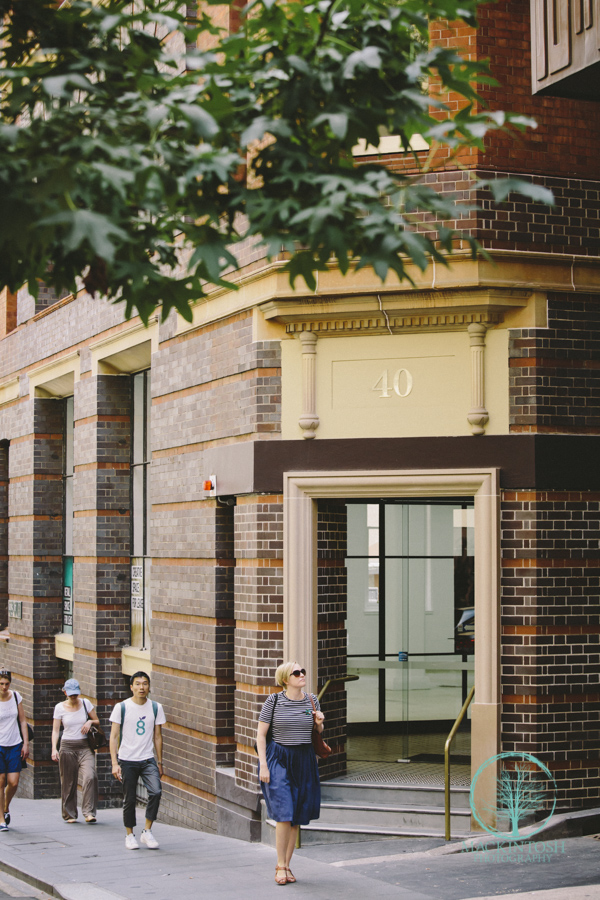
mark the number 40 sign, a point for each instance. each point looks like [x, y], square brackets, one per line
[401, 384]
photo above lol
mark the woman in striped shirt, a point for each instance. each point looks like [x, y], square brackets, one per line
[288, 769]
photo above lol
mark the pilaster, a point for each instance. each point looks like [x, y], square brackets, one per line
[101, 540]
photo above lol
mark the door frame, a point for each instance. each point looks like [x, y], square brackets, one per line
[301, 490]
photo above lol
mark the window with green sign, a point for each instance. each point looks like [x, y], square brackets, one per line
[67, 616]
[141, 458]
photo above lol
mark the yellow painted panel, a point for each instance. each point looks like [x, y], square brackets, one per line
[133, 660]
[55, 379]
[396, 385]
[9, 391]
[63, 646]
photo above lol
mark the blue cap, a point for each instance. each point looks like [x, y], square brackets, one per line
[71, 686]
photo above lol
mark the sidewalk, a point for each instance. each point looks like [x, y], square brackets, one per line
[89, 862]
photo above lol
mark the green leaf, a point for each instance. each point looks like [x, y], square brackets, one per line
[369, 58]
[90, 227]
[338, 122]
[204, 124]
[261, 126]
[58, 85]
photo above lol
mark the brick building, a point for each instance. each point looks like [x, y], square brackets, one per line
[406, 486]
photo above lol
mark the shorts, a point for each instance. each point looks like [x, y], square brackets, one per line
[10, 759]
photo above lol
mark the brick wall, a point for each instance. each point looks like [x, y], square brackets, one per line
[3, 535]
[332, 636]
[192, 653]
[555, 371]
[551, 636]
[8, 312]
[35, 579]
[259, 619]
[101, 547]
[564, 142]
[209, 386]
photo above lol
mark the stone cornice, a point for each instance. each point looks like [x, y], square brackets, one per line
[394, 324]
[509, 275]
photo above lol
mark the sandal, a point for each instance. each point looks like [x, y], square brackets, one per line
[278, 878]
[290, 876]
[70, 821]
[90, 819]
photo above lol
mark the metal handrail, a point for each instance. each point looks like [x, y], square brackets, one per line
[334, 681]
[449, 740]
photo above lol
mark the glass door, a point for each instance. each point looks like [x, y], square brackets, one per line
[410, 620]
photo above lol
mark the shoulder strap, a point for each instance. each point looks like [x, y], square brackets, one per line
[14, 693]
[312, 702]
[155, 710]
[273, 709]
[122, 720]
[87, 712]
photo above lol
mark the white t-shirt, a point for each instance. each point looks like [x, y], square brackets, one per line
[73, 720]
[137, 742]
[10, 733]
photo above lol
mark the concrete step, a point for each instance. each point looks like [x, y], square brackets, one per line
[318, 833]
[388, 818]
[392, 795]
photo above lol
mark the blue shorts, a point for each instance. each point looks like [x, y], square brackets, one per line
[10, 759]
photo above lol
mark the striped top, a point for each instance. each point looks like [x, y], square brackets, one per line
[292, 720]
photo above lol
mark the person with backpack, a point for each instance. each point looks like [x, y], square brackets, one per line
[136, 752]
[14, 745]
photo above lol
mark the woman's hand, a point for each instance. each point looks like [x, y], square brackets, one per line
[54, 755]
[25, 750]
[319, 718]
[85, 728]
[265, 775]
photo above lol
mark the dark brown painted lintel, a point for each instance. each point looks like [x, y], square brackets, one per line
[526, 461]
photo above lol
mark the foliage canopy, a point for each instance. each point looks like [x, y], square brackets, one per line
[121, 143]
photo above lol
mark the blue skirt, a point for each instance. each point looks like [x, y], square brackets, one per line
[294, 791]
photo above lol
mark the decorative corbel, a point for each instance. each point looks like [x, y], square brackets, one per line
[478, 414]
[309, 420]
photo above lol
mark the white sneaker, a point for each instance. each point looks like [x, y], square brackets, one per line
[149, 840]
[131, 843]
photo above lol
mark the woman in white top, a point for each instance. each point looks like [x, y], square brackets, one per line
[75, 759]
[14, 745]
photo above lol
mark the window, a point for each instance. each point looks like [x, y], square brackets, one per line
[67, 617]
[140, 496]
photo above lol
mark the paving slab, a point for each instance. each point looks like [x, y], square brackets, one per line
[90, 862]
[559, 869]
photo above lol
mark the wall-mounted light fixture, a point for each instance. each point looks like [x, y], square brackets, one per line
[209, 485]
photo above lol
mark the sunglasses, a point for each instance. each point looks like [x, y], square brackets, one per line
[298, 672]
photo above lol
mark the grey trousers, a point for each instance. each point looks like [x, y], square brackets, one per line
[76, 760]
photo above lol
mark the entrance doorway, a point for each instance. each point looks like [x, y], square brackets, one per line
[410, 624]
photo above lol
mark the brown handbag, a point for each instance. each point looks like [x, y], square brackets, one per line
[321, 748]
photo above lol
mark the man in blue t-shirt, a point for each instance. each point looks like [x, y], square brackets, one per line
[136, 751]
